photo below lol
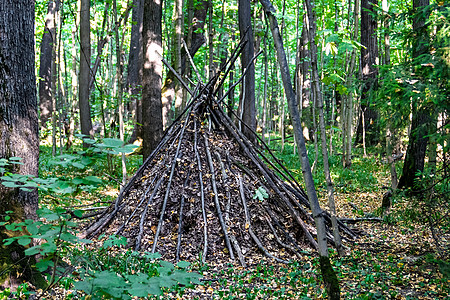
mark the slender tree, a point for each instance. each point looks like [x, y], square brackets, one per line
[18, 128]
[311, 32]
[46, 62]
[328, 274]
[152, 118]
[85, 68]
[134, 79]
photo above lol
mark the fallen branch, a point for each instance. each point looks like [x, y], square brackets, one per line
[356, 220]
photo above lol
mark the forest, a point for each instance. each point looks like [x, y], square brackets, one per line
[204, 149]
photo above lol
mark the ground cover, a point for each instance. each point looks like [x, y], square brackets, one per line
[393, 259]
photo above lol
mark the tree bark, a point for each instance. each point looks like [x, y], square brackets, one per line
[369, 61]
[152, 75]
[18, 127]
[318, 92]
[347, 111]
[45, 68]
[135, 59]
[195, 40]
[178, 19]
[328, 274]
[85, 69]
[421, 118]
[247, 104]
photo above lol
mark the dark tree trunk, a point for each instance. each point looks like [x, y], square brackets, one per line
[421, 116]
[18, 126]
[369, 55]
[152, 75]
[85, 69]
[135, 59]
[247, 104]
[46, 61]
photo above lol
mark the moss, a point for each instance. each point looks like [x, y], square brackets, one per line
[329, 278]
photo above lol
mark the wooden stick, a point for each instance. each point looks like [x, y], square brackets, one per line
[166, 196]
[178, 77]
[144, 213]
[233, 239]
[119, 230]
[248, 223]
[192, 61]
[202, 195]
[180, 221]
[216, 197]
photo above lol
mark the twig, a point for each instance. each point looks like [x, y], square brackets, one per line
[279, 240]
[233, 239]
[216, 198]
[244, 142]
[178, 77]
[202, 195]
[118, 231]
[240, 79]
[356, 220]
[281, 227]
[166, 196]
[248, 223]
[144, 213]
[191, 61]
[180, 221]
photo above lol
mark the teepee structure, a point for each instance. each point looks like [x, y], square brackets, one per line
[207, 192]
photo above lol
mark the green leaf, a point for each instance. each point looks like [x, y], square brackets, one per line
[11, 227]
[112, 143]
[10, 184]
[33, 228]
[33, 250]
[24, 241]
[78, 165]
[78, 213]
[93, 179]
[183, 264]
[44, 265]
[15, 158]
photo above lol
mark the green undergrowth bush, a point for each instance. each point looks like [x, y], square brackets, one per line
[108, 271]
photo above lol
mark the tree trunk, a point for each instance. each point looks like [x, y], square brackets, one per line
[328, 274]
[134, 79]
[152, 75]
[347, 111]
[45, 68]
[194, 42]
[318, 92]
[85, 69]
[369, 61]
[418, 137]
[247, 105]
[18, 129]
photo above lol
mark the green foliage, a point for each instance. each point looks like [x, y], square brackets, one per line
[103, 272]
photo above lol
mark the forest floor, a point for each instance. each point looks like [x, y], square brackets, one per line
[393, 259]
